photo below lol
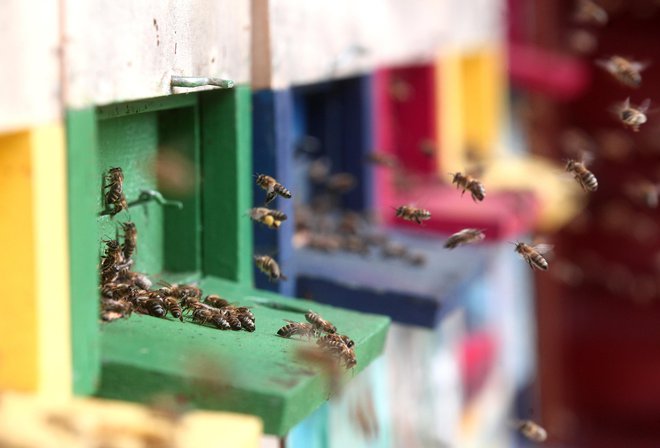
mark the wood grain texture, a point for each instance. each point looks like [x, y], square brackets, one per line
[312, 41]
[30, 75]
[125, 50]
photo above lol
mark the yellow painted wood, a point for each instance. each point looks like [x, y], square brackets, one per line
[35, 346]
[32, 421]
[471, 97]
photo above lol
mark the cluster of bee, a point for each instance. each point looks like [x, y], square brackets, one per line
[330, 344]
[124, 291]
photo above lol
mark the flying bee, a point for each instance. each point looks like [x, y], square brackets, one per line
[465, 236]
[582, 175]
[382, 159]
[269, 266]
[172, 305]
[272, 187]
[531, 430]
[623, 70]
[341, 183]
[114, 183]
[297, 328]
[633, 117]
[328, 364]
[130, 239]
[467, 182]
[644, 192]
[216, 301]
[319, 323]
[270, 218]
[588, 12]
[533, 255]
[410, 213]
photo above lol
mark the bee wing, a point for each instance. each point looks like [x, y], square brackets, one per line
[270, 195]
[605, 64]
[639, 66]
[543, 248]
[644, 106]
[587, 157]
[626, 103]
[291, 321]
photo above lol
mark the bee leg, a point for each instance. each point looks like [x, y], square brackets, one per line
[417, 220]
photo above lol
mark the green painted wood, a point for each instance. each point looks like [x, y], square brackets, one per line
[226, 170]
[83, 242]
[146, 105]
[179, 134]
[145, 356]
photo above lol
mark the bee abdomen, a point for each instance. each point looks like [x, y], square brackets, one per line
[221, 323]
[155, 308]
[539, 262]
[590, 182]
[282, 191]
[247, 323]
[287, 331]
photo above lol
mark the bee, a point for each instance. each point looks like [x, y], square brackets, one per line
[324, 243]
[633, 117]
[325, 361]
[346, 354]
[192, 303]
[172, 305]
[219, 321]
[154, 307]
[269, 266]
[582, 175]
[245, 311]
[130, 239]
[297, 328]
[341, 183]
[247, 322]
[114, 183]
[272, 187]
[588, 12]
[533, 255]
[465, 236]
[644, 192]
[394, 250]
[113, 255]
[410, 213]
[139, 280]
[531, 430]
[355, 244]
[183, 291]
[382, 159]
[202, 315]
[467, 182]
[416, 259]
[232, 318]
[335, 340]
[319, 323]
[216, 301]
[123, 307]
[270, 218]
[623, 70]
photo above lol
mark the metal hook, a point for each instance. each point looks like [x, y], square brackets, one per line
[196, 81]
[153, 195]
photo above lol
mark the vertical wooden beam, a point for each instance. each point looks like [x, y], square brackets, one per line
[35, 351]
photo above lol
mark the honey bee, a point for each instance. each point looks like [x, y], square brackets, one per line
[114, 183]
[123, 307]
[467, 182]
[623, 70]
[220, 322]
[154, 307]
[297, 328]
[269, 266]
[588, 12]
[270, 218]
[465, 236]
[130, 239]
[394, 250]
[113, 255]
[319, 323]
[202, 315]
[216, 301]
[272, 187]
[533, 255]
[410, 213]
[382, 159]
[346, 354]
[531, 430]
[355, 244]
[341, 183]
[247, 322]
[325, 361]
[140, 280]
[416, 259]
[232, 318]
[183, 291]
[245, 311]
[323, 243]
[172, 305]
[334, 339]
[645, 193]
[582, 175]
[634, 117]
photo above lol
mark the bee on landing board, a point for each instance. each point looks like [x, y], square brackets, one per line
[319, 323]
[469, 183]
[465, 236]
[410, 213]
[582, 175]
[533, 255]
[531, 430]
[297, 328]
[114, 183]
[269, 266]
[623, 70]
[633, 117]
[172, 306]
[272, 187]
[588, 12]
[216, 301]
